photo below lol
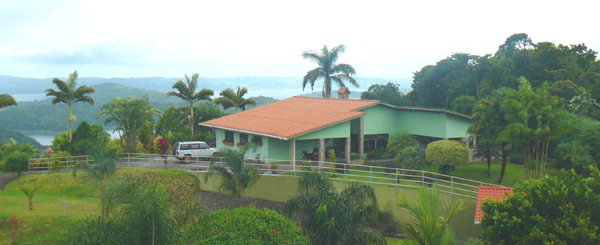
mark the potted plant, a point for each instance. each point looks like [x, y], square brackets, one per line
[228, 141]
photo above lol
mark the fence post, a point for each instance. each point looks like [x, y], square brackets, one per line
[370, 174]
[422, 177]
[29, 164]
[451, 186]
[396, 177]
[128, 159]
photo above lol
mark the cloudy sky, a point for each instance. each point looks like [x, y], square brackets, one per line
[218, 38]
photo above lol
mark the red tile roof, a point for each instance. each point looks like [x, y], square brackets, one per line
[343, 90]
[489, 192]
[292, 117]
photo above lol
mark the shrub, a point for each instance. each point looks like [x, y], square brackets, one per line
[516, 157]
[247, 225]
[447, 154]
[16, 162]
[57, 166]
[410, 158]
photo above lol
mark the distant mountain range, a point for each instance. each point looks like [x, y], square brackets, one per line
[292, 85]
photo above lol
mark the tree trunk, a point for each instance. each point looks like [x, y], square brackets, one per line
[240, 200]
[504, 156]
[70, 132]
[102, 185]
[192, 117]
[30, 205]
[489, 165]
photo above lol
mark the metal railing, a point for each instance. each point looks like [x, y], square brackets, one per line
[350, 172]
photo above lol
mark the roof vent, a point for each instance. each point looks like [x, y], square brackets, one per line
[343, 93]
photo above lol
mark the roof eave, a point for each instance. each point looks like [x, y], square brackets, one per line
[243, 131]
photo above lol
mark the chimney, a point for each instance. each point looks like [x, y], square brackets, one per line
[343, 93]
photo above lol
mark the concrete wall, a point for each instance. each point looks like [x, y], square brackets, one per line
[281, 188]
[423, 123]
[381, 119]
[278, 149]
[456, 127]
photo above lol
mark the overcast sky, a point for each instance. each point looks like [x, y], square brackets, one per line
[217, 38]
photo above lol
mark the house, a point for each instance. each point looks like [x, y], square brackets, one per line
[284, 129]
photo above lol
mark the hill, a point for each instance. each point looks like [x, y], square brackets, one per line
[6, 134]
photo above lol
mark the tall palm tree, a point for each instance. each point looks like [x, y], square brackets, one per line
[487, 149]
[432, 227]
[236, 100]
[7, 100]
[235, 175]
[187, 92]
[69, 93]
[332, 217]
[328, 69]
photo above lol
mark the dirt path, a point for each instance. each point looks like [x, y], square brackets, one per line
[5, 179]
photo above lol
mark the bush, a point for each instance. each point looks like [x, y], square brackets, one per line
[247, 225]
[517, 158]
[410, 158]
[16, 162]
[96, 230]
[447, 154]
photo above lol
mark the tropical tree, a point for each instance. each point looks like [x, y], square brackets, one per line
[29, 190]
[7, 100]
[401, 140]
[69, 93]
[236, 176]
[387, 93]
[187, 92]
[432, 227]
[329, 70]
[332, 217]
[105, 165]
[486, 149]
[131, 116]
[229, 99]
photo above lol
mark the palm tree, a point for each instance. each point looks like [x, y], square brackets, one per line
[7, 100]
[328, 69]
[487, 149]
[230, 99]
[235, 175]
[69, 93]
[400, 140]
[332, 217]
[187, 92]
[432, 227]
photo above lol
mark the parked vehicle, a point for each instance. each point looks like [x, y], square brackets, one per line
[188, 150]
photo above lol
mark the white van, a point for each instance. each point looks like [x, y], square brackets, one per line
[187, 150]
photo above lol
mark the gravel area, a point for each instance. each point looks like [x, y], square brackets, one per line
[213, 201]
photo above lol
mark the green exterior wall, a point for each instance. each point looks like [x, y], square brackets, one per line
[381, 119]
[341, 130]
[456, 127]
[262, 150]
[281, 188]
[423, 123]
[278, 149]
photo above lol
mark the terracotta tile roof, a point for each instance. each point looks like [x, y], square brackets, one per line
[489, 192]
[343, 90]
[292, 117]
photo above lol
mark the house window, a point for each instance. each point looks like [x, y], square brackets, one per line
[228, 136]
[374, 141]
[243, 139]
[257, 140]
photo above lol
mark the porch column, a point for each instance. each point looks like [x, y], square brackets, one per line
[361, 138]
[321, 152]
[293, 153]
[348, 152]
[474, 141]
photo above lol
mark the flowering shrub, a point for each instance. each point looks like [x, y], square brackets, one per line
[247, 225]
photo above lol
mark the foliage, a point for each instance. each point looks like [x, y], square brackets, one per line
[464, 104]
[57, 165]
[105, 165]
[235, 176]
[432, 228]
[247, 225]
[401, 140]
[565, 89]
[7, 100]
[583, 104]
[410, 158]
[329, 70]
[231, 99]
[386, 93]
[551, 210]
[96, 230]
[69, 93]
[14, 223]
[29, 190]
[16, 162]
[447, 154]
[187, 92]
[61, 142]
[6, 135]
[574, 155]
[131, 115]
[486, 149]
[332, 217]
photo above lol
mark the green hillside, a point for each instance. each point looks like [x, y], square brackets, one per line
[6, 134]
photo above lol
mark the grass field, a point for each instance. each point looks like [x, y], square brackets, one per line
[45, 224]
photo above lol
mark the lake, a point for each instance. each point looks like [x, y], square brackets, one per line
[46, 139]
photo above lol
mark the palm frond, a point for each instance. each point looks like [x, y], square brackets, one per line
[7, 100]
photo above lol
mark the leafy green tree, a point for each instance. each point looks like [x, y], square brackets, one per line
[550, 210]
[187, 92]
[401, 140]
[486, 149]
[447, 154]
[13, 146]
[432, 227]
[332, 217]
[131, 115]
[29, 189]
[464, 104]
[574, 155]
[7, 100]
[565, 89]
[230, 99]
[583, 104]
[16, 162]
[387, 93]
[69, 93]
[235, 176]
[328, 69]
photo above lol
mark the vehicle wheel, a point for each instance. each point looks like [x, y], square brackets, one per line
[187, 159]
